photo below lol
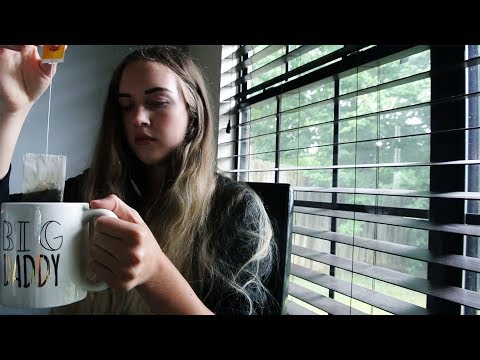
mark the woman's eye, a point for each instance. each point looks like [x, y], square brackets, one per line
[125, 107]
[156, 104]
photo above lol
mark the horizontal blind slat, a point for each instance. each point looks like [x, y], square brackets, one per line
[296, 309]
[337, 54]
[392, 192]
[411, 252]
[333, 144]
[249, 61]
[367, 296]
[472, 230]
[362, 208]
[347, 64]
[460, 296]
[364, 166]
[321, 302]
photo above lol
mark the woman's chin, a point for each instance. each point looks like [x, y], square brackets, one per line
[151, 161]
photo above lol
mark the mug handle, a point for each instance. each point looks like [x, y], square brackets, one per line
[87, 215]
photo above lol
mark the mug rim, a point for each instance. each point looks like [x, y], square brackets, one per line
[40, 203]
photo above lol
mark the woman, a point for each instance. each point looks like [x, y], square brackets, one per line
[188, 240]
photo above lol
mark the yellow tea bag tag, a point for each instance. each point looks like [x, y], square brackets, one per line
[53, 53]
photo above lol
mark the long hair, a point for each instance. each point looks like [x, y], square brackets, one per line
[180, 217]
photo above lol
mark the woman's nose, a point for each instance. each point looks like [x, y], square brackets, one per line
[141, 116]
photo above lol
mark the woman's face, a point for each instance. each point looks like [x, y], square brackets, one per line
[154, 112]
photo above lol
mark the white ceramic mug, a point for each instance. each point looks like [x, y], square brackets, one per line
[43, 253]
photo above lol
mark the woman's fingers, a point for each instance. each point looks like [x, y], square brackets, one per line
[119, 250]
[104, 257]
[130, 233]
[102, 272]
[19, 48]
[107, 267]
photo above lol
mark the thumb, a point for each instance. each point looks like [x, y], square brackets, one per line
[114, 203]
[30, 52]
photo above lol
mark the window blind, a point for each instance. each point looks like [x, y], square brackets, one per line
[381, 146]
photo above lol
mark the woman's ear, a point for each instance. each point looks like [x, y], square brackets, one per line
[192, 130]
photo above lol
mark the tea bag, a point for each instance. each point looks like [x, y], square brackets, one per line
[43, 177]
[44, 174]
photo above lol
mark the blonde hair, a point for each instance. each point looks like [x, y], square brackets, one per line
[182, 217]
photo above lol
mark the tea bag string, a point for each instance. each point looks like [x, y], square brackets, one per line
[49, 102]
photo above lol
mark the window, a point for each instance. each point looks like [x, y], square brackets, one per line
[381, 146]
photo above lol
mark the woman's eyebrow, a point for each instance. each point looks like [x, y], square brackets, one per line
[148, 91]
[156, 89]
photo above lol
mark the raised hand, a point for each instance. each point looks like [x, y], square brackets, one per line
[23, 77]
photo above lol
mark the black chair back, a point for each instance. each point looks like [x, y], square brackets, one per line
[278, 201]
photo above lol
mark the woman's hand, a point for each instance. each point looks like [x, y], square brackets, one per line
[125, 253]
[23, 77]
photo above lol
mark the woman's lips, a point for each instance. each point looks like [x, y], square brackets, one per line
[144, 140]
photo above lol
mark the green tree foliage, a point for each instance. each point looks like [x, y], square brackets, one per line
[381, 121]
[377, 125]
